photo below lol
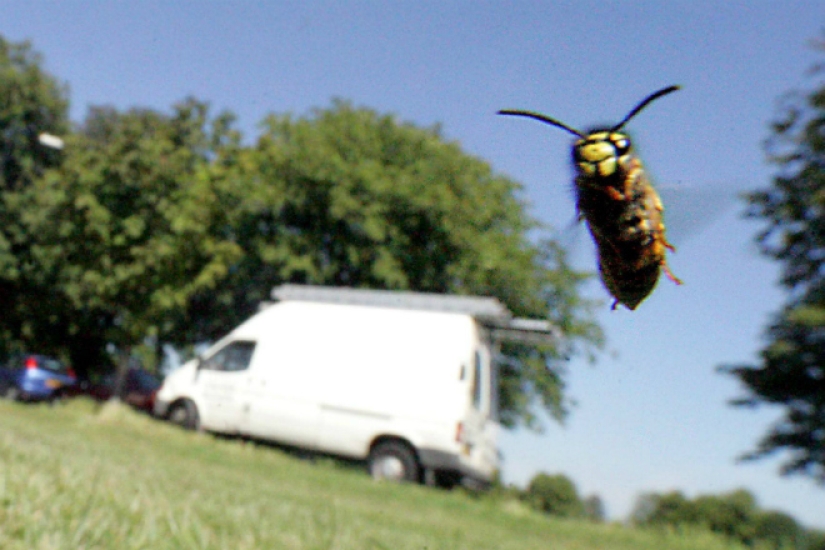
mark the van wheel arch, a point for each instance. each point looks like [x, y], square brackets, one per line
[184, 413]
[394, 460]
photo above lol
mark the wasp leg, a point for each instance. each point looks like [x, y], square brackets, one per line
[614, 194]
[635, 179]
[669, 273]
[611, 192]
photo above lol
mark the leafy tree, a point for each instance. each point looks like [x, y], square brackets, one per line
[350, 197]
[732, 514]
[594, 508]
[555, 495]
[778, 531]
[31, 103]
[120, 231]
[815, 539]
[671, 508]
[791, 373]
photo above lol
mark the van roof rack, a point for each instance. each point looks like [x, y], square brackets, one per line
[486, 310]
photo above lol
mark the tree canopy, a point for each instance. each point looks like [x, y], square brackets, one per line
[736, 515]
[171, 226]
[32, 102]
[120, 233]
[555, 495]
[791, 371]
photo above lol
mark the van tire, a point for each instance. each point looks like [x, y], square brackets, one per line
[394, 461]
[185, 414]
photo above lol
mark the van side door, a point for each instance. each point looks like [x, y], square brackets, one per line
[284, 403]
[221, 378]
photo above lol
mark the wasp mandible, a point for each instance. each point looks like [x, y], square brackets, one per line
[622, 209]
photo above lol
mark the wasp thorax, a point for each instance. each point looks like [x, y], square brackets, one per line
[599, 153]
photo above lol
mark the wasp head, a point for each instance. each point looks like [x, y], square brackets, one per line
[601, 153]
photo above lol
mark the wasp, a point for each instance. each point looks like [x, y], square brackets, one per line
[621, 208]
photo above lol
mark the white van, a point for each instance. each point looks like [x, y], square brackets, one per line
[403, 380]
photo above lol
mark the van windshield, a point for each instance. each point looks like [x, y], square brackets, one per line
[232, 358]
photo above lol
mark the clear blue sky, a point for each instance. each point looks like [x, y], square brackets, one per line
[652, 413]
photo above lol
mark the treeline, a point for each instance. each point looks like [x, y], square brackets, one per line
[172, 227]
[735, 515]
[557, 495]
[554, 495]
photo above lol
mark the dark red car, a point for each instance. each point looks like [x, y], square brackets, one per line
[139, 389]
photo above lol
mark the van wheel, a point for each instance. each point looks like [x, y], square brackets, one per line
[394, 461]
[185, 414]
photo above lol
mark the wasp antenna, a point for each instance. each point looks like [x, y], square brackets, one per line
[543, 118]
[643, 104]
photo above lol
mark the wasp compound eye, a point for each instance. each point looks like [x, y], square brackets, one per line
[621, 143]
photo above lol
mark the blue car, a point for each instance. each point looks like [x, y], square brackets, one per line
[35, 377]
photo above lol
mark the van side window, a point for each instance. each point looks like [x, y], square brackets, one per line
[231, 358]
[478, 373]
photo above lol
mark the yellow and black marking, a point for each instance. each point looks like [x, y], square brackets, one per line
[622, 209]
[599, 153]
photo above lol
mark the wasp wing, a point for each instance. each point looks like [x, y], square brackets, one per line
[690, 209]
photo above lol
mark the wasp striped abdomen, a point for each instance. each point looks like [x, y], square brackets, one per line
[624, 216]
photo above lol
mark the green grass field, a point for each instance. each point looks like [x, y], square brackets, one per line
[79, 476]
